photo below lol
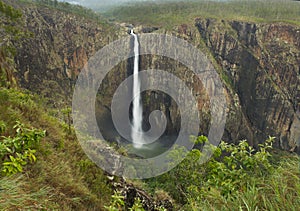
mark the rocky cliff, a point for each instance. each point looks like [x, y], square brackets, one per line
[259, 66]
[59, 46]
[258, 63]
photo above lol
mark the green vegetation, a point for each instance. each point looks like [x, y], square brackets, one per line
[42, 165]
[169, 14]
[117, 203]
[69, 8]
[238, 177]
[9, 11]
[10, 19]
[44, 168]
[61, 176]
[15, 152]
[14, 197]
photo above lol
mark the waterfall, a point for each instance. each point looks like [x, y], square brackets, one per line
[137, 110]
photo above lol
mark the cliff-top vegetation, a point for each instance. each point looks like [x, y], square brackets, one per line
[168, 14]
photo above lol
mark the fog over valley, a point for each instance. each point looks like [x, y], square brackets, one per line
[106, 4]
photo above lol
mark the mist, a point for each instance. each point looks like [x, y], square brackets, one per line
[102, 5]
[99, 3]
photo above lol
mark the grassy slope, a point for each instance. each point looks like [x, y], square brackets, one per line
[62, 178]
[169, 14]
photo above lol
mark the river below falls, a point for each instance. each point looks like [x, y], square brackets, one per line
[151, 150]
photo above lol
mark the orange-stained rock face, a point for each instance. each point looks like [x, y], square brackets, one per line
[285, 33]
[76, 62]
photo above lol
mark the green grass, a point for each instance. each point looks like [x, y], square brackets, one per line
[168, 14]
[62, 178]
[14, 196]
[278, 191]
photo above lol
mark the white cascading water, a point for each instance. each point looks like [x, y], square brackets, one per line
[137, 110]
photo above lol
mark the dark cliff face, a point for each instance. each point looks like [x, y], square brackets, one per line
[258, 63]
[262, 62]
[60, 46]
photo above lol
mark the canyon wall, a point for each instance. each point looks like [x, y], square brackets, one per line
[259, 65]
[58, 47]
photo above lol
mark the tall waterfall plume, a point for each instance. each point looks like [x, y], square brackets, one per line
[137, 110]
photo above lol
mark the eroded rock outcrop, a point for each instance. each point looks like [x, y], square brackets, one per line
[132, 193]
[59, 46]
[262, 62]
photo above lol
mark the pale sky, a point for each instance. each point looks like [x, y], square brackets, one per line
[103, 4]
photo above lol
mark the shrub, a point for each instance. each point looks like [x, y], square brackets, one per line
[17, 151]
[226, 174]
[117, 202]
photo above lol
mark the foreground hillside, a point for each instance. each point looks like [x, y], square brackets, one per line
[43, 167]
[61, 177]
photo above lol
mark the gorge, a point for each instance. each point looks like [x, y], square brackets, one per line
[259, 64]
[257, 57]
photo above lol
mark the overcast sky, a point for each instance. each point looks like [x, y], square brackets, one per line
[89, 2]
[103, 5]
